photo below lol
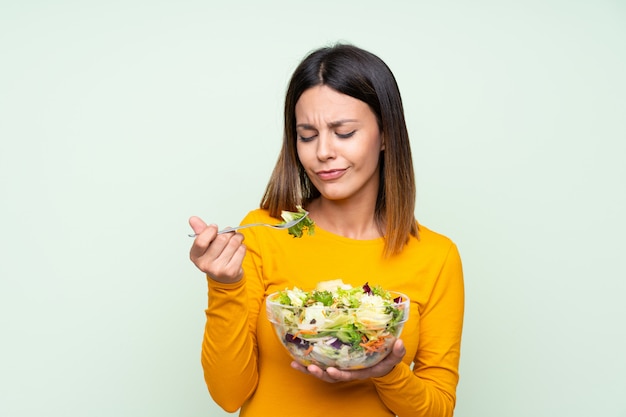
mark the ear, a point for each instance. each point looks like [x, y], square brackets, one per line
[382, 143]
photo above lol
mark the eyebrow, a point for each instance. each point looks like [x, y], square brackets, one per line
[331, 124]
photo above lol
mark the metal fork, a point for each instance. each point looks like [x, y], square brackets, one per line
[280, 226]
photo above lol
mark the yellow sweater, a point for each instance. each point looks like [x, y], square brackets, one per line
[246, 367]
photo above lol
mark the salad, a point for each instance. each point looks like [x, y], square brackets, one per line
[337, 324]
[298, 229]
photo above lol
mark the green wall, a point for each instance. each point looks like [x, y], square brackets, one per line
[120, 119]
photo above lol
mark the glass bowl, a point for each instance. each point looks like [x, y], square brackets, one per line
[344, 338]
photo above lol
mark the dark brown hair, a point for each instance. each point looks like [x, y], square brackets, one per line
[362, 75]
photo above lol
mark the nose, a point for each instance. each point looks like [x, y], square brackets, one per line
[325, 147]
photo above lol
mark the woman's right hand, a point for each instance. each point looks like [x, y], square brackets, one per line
[218, 256]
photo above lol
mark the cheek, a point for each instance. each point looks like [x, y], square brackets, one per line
[373, 161]
[303, 155]
[370, 156]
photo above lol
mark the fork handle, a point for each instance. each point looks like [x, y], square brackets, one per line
[245, 226]
[233, 229]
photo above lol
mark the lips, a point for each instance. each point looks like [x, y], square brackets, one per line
[331, 174]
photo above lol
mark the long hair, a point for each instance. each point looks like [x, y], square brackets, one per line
[362, 75]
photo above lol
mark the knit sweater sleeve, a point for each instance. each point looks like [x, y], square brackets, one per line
[429, 389]
[229, 347]
[228, 352]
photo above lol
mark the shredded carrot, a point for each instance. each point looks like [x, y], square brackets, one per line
[375, 345]
[309, 350]
[301, 332]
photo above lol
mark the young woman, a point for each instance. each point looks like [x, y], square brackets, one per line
[346, 159]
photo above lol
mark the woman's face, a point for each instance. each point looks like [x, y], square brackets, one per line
[339, 144]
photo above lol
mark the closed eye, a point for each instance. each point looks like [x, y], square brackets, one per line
[306, 138]
[345, 135]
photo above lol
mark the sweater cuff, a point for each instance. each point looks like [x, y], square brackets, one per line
[217, 285]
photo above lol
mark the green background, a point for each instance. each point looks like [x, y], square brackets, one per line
[120, 119]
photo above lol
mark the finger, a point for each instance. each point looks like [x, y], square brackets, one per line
[197, 224]
[226, 253]
[315, 371]
[295, 365]
[336, 375]
[318, 372]
[398, 351]
[232, 266]
[236, 261]
[225, 246]
[202, 241]
[382, 368]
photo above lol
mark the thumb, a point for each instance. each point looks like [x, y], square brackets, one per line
[398, 349]
[197, 224]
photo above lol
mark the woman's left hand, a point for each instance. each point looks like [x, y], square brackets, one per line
[336, 375]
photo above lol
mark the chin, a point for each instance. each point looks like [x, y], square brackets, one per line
[334, 196]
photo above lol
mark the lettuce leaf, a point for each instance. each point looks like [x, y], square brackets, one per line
[298, 229]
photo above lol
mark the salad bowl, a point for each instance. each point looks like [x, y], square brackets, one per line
[340, 326]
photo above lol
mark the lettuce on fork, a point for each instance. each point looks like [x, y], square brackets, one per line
[298, 229]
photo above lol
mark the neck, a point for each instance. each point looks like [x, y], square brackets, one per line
[350, 219]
